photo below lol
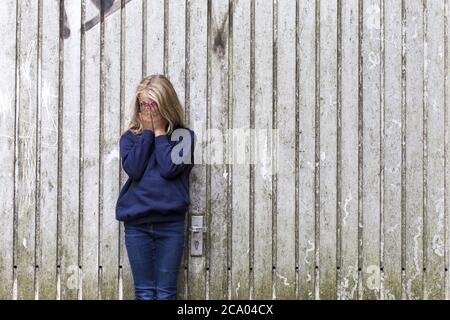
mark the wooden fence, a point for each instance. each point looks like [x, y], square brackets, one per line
[356, 205]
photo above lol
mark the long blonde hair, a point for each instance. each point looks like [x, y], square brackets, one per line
[158, 88]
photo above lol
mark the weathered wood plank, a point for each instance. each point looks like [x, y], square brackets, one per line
[239, 150]
[392, 151]
[183, 280]
[176, 26]
[8, 11]
[68, 259]
[48, 153]
[176, 72]
[306, 88]
[284, 271]
[446, 145]
[131, 56]
[261, 275]
[327, 149]
[434, 150]
[371, 150]
[109, 158]
[198, 119]
[90, 160]
[25, 187]
[348, 184]
[412, 162]
[155, 37]
[218, 110]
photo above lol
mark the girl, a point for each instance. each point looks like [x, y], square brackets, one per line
[157, 153]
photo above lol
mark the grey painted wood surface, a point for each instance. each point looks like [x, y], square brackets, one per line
[352, 203]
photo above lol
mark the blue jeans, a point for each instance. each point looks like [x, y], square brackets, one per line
[154, 251]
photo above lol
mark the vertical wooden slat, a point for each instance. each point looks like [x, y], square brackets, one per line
[392, 148]
[198, 122]
[184, 272]
[38, 125]
[229, 145]
[434, 121]
[360, 145]
[261, 274]
[61, 29]
[176, 60]
[306, 230]
[338, 144]
[218, 110]
[348, 184]
[46, 256]
[284, 272]
[111, 148]
[68, 250]
[176, 46]
[132, 55]
[90, 160]
[239, 150]
[25, 189]
[297, 147]
[110, 133]
[371, 150]
[316, 185]
[412, 161]
[327, 156]
[7, 142]
[122, 178]
[155, 36]
[446, 146]
[101, 172]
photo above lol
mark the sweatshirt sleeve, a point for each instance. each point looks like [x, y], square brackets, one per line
[135, 152]
[170, 155]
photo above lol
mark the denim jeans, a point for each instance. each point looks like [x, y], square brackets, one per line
[154, 252]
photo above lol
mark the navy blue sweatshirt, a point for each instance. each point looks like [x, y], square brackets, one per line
[157, 188]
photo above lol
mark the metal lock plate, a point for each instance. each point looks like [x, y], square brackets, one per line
[197, 229]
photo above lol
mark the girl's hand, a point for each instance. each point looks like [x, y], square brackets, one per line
[146, 119]
[159, 123]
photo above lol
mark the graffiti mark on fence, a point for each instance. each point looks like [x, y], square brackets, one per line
[109, 7]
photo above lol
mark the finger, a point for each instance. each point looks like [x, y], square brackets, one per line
[148, 114]
[144, 117]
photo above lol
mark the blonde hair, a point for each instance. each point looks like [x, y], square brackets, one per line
[158, 88]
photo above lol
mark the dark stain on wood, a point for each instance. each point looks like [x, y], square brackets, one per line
[219, 43]
[104, 6]
[221, 32]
